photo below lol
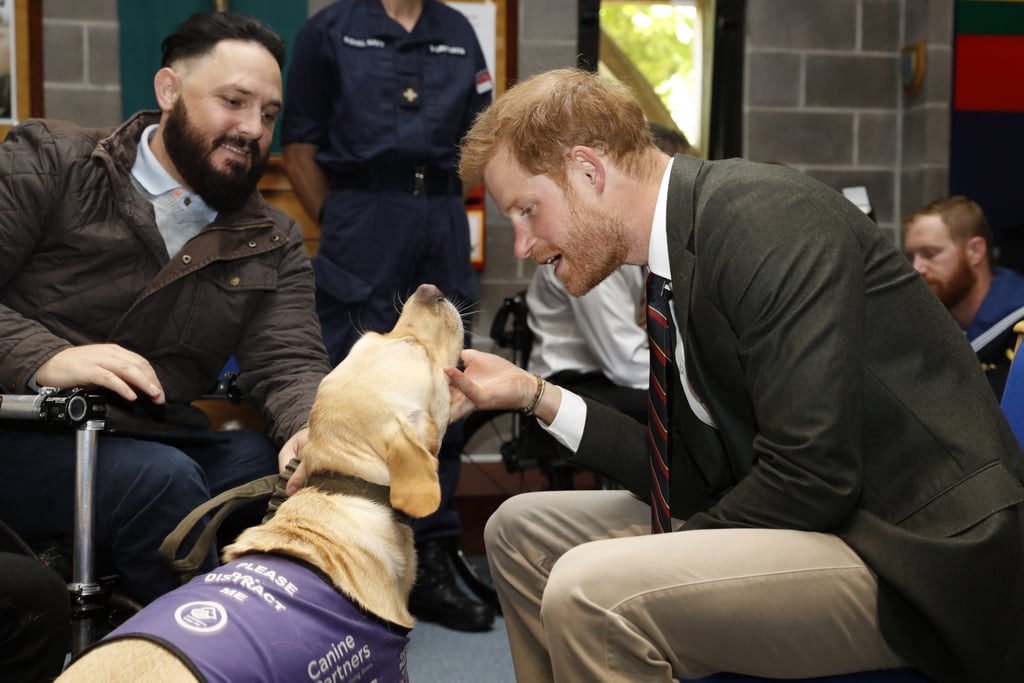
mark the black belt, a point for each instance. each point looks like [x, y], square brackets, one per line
[415, 180]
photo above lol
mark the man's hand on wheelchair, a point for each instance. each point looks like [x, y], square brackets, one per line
[102, 365]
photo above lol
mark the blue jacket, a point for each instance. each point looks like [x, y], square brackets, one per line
[1005, 296]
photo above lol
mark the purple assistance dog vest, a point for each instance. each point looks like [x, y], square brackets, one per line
[267, 618]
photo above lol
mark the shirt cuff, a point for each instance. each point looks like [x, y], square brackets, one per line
[567, 427]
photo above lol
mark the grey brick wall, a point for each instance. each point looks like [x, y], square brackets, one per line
[825, 95]
[81, 73]
[924, 172]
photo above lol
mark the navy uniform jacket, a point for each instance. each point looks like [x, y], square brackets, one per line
[847, 401]
[377, 99]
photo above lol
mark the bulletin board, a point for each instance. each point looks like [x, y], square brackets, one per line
[495, 24]
[21, 74]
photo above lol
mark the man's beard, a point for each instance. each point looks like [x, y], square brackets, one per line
[956, 288]
[600, 245]
[222, 189]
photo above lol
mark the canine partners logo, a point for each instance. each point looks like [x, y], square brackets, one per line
[201, 617]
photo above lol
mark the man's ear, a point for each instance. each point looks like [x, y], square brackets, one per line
[977, 250]
[588, 166]
[167, 87]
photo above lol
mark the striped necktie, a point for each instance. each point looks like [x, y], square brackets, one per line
[661, 334]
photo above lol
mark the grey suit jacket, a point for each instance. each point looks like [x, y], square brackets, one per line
[846, 401]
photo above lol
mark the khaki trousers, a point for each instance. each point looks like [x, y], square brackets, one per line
[588, 594]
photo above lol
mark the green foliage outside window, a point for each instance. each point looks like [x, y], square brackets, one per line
[662, 42]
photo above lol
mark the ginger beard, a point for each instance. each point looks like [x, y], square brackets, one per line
[954, 289]
[223, 189]
[597, 245]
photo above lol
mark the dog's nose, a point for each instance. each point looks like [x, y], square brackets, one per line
[428, 291]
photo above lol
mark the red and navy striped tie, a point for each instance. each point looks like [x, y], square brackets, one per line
[661, 334]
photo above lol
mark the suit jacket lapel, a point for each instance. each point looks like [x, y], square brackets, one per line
[679, 229]
[695, 444]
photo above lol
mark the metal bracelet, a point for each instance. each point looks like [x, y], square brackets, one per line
[528, 410]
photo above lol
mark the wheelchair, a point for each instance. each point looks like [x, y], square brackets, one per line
[96, 605]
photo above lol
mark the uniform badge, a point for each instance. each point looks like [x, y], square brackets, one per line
[409, 95]
[483, 82]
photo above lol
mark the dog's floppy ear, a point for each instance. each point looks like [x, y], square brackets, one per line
[412, 462]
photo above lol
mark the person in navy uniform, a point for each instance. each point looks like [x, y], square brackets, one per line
[379, 94]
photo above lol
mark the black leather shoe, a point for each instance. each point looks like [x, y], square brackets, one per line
[438, 598]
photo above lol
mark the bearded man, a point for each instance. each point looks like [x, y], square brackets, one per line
[139, 260]
[949, 243]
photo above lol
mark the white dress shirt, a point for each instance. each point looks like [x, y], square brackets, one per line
[597, 332]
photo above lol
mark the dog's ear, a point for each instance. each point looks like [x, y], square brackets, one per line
[412, 462]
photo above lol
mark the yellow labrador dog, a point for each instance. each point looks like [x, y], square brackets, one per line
[320, 591]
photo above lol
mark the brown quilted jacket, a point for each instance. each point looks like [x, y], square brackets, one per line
[82, 262]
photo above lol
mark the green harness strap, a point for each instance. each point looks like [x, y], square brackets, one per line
[272, 486]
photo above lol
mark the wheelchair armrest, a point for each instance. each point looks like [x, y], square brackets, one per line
[64, 407]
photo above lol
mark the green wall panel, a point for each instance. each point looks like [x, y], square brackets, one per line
[990, 18]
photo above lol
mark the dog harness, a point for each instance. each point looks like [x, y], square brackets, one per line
[269, 618]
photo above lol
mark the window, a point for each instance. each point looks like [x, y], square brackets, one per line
[683, 58]
[655, 47]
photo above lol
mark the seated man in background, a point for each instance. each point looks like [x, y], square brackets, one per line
[949, 242]
[593, 344]
[138, 260]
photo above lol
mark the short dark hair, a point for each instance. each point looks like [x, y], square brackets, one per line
[669, 140]
[201, 32]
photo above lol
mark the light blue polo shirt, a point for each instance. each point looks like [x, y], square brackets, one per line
[180, 213]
